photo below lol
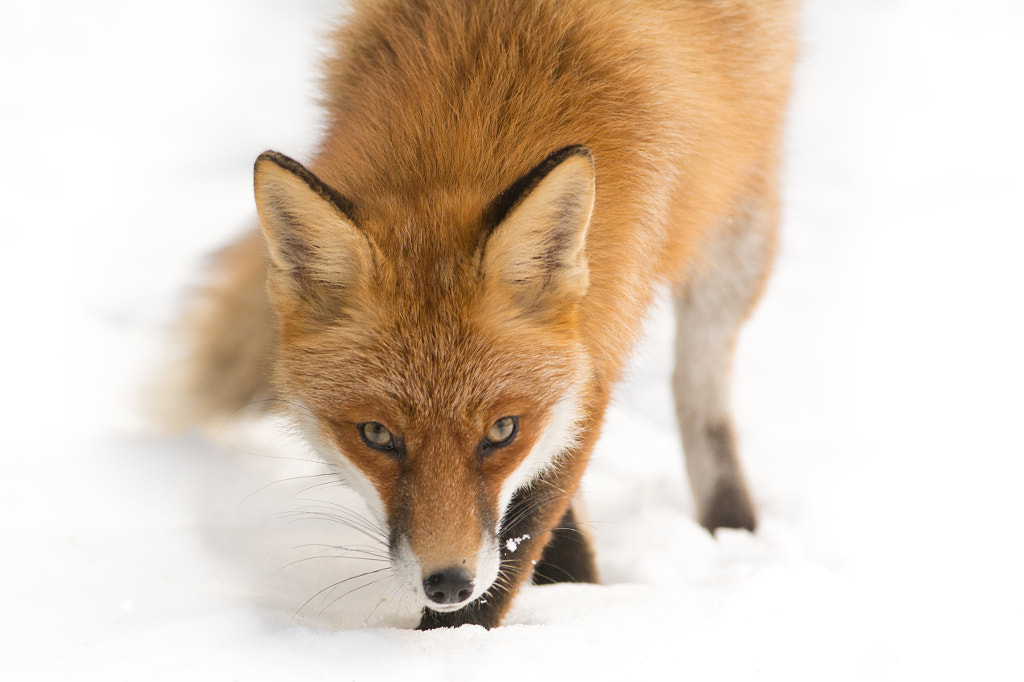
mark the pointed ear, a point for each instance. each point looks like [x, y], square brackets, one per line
[316, 251]
[536, 252]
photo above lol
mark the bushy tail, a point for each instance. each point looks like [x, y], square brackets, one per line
[224, 347]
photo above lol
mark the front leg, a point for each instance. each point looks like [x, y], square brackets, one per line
[568, 557]
[529, 525]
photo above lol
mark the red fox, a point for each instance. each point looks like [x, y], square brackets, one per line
[446, 293]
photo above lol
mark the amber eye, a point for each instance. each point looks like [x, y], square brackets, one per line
[377, 436]
[502, 431]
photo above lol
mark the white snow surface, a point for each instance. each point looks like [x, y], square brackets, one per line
[878, 387]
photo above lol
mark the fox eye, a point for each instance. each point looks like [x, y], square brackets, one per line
[502, 432]
[377, 436]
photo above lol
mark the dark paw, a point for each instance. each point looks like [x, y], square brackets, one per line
[730, 507]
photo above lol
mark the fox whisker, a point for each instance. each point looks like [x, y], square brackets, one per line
[354, 589]
[333, 586]
[342, 515]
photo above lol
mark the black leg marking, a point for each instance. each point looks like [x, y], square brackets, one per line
[729, 505]
[568, 557]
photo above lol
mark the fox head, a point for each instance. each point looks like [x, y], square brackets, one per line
[442, 374]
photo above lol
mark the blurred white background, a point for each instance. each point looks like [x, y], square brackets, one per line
[878, 386]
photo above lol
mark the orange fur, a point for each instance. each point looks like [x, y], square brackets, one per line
[399, 302]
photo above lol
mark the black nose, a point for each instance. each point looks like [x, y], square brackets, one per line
[449, 587]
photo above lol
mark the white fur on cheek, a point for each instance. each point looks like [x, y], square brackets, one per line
[351, 474]
[559, 435]
[488, 563]
[407, 570]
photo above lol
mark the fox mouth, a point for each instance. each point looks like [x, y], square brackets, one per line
[428, 602]
[447, 608]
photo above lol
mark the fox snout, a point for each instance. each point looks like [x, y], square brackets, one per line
[448, 548]
[450, 582]
[451, 586]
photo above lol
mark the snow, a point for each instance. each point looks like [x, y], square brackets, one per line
[877, 387]
[513, 543]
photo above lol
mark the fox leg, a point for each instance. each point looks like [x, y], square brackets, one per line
[568, 556]
[714, 302]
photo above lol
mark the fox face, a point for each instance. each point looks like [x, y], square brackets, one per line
[440, 366]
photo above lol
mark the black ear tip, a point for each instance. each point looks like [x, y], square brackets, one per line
[269, 155]
[278, 159]
[567, 152]
[299, 171]
[504, 202]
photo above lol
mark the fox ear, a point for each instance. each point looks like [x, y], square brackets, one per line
[316, 251]
[536, 251]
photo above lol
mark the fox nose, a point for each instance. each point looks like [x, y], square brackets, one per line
[451, 586]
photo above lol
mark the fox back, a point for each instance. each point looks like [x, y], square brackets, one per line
[446, 293]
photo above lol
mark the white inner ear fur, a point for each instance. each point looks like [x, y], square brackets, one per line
[559, 435]
[305, 230]
[541, 242]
